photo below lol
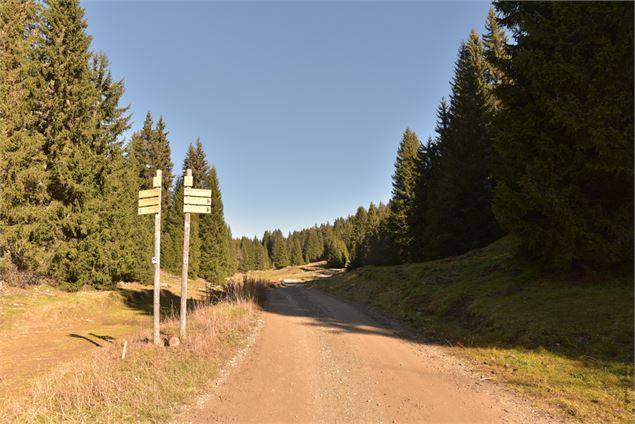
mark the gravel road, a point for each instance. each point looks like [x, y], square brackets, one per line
[318, 359]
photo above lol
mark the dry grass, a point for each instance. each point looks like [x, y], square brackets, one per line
[152, 382]
[300, 273]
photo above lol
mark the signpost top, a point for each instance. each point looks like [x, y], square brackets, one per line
[195, 200]
[156, 181]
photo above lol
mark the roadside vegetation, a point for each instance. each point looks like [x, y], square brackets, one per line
[67, 351]
[564, 339]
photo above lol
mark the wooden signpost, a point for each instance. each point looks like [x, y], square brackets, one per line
[150, 203]
[194, 201]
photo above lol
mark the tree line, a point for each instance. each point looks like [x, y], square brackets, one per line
[535, 140]
[351, 240]
[68, 181]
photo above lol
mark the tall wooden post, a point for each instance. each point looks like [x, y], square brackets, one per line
[195, 200]
[156, 260]
[187, 182]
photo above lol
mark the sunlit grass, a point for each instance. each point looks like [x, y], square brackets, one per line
[150, 385]
[565, 340]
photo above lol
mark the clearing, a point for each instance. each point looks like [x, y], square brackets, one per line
[42, 327]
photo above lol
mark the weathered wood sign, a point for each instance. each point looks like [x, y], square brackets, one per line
[197, 192]
[153, 192]
[149, 200]
[148, 210]
[196, 209]
[197, 200]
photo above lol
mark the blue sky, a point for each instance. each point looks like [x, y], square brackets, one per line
[300, 105]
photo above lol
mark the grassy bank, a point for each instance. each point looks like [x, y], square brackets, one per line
[85, 379]
[565, 340]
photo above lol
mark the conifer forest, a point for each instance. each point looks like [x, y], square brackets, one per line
[508, 157]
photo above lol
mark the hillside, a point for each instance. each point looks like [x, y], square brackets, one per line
[566, 340]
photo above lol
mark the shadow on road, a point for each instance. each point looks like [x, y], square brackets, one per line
[335, 315]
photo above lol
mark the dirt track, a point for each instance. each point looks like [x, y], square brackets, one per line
[318, 359]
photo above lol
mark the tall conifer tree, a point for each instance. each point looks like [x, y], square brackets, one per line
[216, 253]
[462, 217]
[403, 193]
[565, 132]
[76, 148]
[26, 238]
[495, 52]
[280, 252]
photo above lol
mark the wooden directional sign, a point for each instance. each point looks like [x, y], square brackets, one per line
[196, 209]
[148, 209]
[149, 201]
[197, 201]
[153, 192]
[197, 192]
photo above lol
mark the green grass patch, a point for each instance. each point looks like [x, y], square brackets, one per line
[564, 339]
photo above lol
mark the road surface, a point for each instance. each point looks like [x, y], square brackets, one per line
[320, 360]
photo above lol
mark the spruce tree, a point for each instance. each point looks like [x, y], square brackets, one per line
[162, 159]
[149, 150]
[141, 161]
[26, 239]
[196, 160]
[141, 148]
[76, 149]
[261, 256]
[359, 233]
[403, 194]
[295, 251]
[312, 249]
[115, 238]
[495, 52]
[280, 252]
[426, 212]
[216, 253]
[336, 253]
[462, 218]
[172, 238]
[565, 132]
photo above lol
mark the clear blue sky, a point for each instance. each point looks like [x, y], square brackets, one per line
[300, 105]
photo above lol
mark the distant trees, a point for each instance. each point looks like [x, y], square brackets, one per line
[279, 250]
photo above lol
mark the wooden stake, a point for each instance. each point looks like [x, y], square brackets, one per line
[125, 347]
[184, 269]
[156, 260]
